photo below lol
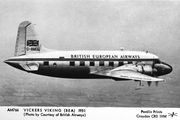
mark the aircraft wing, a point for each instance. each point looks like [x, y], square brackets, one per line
[125, 73]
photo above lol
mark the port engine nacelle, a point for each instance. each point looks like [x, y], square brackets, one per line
[145, 69]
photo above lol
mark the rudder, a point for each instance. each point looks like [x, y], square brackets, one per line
[26, 42]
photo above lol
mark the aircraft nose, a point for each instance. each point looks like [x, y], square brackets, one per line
[163, 68]
[167, 68]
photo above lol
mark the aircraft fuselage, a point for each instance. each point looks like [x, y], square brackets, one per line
[32, 57]
[79, 64]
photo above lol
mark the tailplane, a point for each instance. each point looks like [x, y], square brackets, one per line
[26, 42]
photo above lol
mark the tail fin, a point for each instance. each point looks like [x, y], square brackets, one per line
[26, 42]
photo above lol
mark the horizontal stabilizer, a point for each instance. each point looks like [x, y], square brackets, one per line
[30, 66]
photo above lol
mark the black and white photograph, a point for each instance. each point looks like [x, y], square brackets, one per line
[90, 54]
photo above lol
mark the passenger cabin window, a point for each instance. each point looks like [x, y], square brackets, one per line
[111, 63]
[72, 63]
[91, 63]
[121, 63]
[130, 62]
[101, 63]
[82, 63]
[46, 63]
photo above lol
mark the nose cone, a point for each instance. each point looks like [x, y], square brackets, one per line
[167, 68]
[163, 68]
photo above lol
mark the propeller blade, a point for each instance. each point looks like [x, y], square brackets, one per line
[153, 65]
[154, 71]
[156, 83]
[149, 83]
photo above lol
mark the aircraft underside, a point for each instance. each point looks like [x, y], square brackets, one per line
[79, 72]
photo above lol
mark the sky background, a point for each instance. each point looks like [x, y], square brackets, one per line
[91, 25]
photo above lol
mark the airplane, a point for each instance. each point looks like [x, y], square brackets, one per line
[119, 65]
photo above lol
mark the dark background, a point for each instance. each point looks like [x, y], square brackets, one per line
[91, 25]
